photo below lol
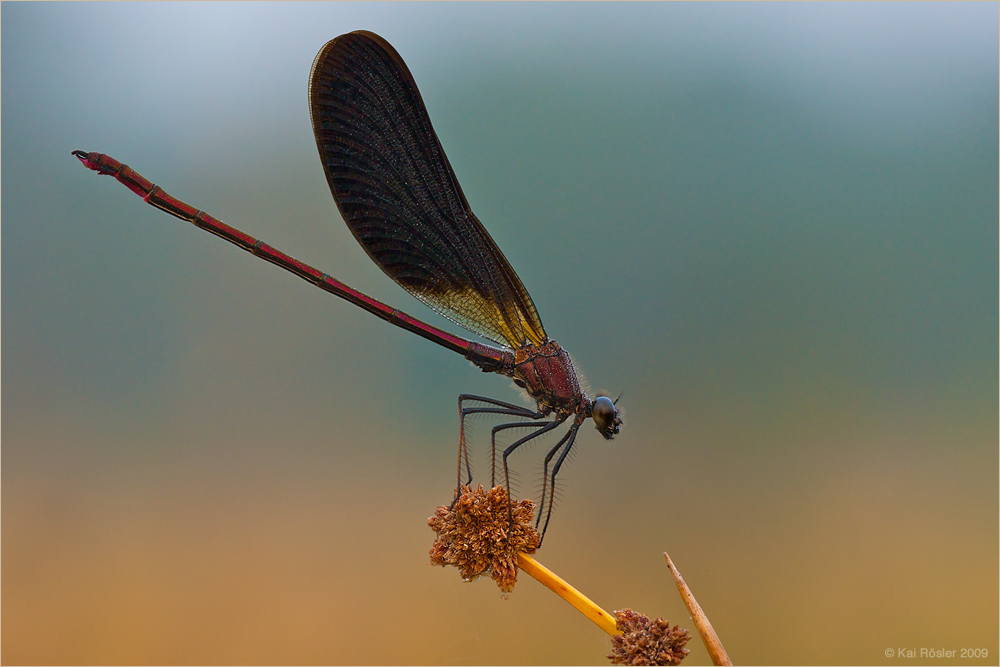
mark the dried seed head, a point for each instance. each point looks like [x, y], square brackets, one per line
[472, 535]
[645, 642]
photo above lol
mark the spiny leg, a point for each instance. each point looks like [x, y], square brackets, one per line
[493, 443]
[507, 452]
[555, 471]
[502, 408]
[545, 475]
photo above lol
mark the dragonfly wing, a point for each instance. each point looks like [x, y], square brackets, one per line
[399, 195]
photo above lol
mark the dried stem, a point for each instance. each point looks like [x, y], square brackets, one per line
[715, 649]
[583, 604]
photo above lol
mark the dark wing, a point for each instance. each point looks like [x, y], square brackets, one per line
[398, 193]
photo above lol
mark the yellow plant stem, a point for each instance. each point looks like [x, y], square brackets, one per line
[583, 604]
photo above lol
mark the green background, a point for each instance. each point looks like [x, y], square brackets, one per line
[773, 226]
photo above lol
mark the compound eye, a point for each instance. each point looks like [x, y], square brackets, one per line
[604, 413]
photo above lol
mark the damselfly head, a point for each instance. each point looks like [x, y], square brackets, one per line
[606, 417]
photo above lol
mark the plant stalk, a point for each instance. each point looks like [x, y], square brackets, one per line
[583, 604]
[712, 642]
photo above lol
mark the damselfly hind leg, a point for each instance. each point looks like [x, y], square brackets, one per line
[496, 407]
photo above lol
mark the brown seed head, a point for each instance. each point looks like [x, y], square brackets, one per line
[472, 535]
[645, 642]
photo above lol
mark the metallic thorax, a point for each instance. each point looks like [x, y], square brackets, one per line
[546, 372]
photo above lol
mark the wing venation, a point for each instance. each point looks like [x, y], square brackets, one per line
[399, 195]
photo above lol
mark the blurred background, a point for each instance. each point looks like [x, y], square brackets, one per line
[773, 226]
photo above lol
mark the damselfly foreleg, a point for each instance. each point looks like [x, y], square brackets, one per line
[507, 452]
[568, 439]
[545, 476]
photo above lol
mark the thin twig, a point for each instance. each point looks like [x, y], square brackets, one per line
[715, 649]
[583, 604]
